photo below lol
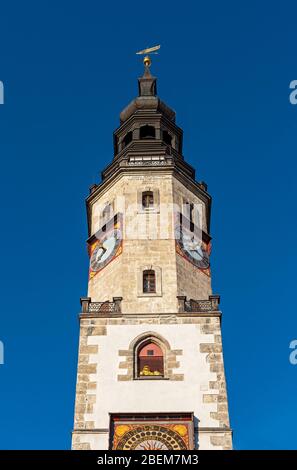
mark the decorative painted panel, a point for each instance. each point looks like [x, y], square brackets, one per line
[165, 431]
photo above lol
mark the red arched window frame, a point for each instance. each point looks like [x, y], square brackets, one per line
[150, 360]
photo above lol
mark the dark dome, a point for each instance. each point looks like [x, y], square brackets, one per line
[147, 99]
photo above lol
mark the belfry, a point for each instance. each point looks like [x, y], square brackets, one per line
[150, 365]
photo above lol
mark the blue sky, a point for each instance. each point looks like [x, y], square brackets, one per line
[68, 69]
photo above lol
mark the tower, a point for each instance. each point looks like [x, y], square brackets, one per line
[150, 365]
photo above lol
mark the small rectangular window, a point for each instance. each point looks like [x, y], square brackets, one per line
[147, 199]
[149, 281]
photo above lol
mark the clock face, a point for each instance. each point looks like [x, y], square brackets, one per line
[104, 249]
[151, 437]
[190, 246]
[194, 249]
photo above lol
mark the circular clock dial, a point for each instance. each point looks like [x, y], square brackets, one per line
[193, 248]
[104, 250]
[152, 437]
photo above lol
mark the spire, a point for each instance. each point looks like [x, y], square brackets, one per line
[147, 100]
[147, 84]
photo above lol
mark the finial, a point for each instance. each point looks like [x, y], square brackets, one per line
[151, 50]
[147, 61]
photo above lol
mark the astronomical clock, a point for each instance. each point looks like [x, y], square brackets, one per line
[160, 432]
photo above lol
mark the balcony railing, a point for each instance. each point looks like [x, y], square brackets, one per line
[198, 306]
[184, 305]
[100, 307]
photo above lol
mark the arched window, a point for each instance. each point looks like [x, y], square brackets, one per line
[147, 132]
[147, 199]
[150, 360]
[150, 356]
[149, 281]
[167, 137]
[127, 139]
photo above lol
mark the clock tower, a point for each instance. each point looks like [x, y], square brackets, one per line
[150, 364]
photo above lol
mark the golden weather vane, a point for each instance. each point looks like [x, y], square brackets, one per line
[150, 50]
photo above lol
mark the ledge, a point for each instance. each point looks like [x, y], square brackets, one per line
[214, 314]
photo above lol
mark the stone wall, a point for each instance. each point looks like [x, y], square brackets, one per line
[120, 278]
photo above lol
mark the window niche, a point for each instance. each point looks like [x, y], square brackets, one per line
[149, 281]
[150, 356]
[192, 213]
[151, 353]
[148, 200]
[189, 211]
[167, 138]
[149, 360]
[107, 213]
[147, 132]
[127, 139]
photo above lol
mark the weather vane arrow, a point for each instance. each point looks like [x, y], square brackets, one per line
[150, 50]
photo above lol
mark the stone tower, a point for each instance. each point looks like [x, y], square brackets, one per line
[150, 364]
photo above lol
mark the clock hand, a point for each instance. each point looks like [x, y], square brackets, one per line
[101, 245]
[100, 252]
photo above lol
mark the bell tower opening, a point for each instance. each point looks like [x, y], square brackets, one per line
[147, 132]
[127, 139]
[167, 137]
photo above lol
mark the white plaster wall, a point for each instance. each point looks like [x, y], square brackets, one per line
[115, 396]
[204, 441]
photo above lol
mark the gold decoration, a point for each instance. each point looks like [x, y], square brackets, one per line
[121, 430]
[147, 371]
[147, 61]
[180, 429]
[150, 50]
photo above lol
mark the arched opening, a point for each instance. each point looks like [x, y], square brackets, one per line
[147, 132]
[127, 139]
[147, 199]
[167, 138]
[150, 360]
[149, 281]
